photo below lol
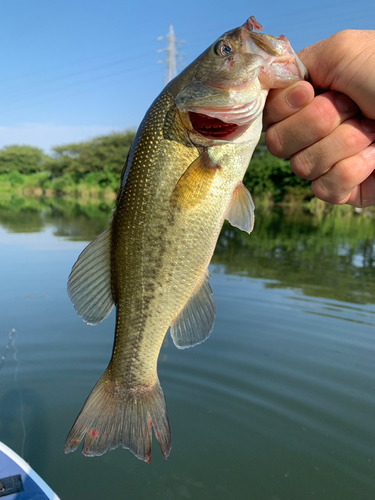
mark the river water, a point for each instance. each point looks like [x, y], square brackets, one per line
[279, 402]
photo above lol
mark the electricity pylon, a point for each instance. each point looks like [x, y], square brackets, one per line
[172, 54]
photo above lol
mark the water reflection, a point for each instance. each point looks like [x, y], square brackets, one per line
[325, 255]
[277, 404]
[75, 219]
[331, 257]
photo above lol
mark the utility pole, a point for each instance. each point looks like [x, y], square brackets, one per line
[172, 53]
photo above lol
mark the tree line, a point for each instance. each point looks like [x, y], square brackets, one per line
[94, 167]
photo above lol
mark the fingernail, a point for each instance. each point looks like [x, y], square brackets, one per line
[297, 97]
[344, 104]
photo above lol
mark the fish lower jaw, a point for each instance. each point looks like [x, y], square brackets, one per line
[227, 123]
[213, 128]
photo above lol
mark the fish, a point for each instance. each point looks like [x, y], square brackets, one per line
[181, 180]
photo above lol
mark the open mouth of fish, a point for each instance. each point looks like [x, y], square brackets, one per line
[224, 123]
[210, 127]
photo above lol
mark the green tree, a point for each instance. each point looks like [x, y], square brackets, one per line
[106, 152]
[269, 175]
[21, 159]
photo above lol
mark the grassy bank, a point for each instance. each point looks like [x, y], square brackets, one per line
[93, 185]
[92, 169]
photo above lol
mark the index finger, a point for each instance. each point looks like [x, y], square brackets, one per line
[282, 103]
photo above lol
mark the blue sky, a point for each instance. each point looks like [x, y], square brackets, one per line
[74, 69]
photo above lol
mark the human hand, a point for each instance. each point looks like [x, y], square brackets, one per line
[329, 137]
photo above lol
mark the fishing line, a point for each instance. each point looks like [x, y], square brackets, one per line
[7, 347]
[12, 343]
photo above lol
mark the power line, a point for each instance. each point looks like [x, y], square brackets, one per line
[91, 80]
[40, 71]
[30, 89]
[86, 91]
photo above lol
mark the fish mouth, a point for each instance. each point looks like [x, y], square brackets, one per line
[211, 127]
[283, 66]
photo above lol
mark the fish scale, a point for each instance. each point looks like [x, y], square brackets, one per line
[182, 178]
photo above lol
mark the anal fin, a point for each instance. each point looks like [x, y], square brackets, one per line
[89, 283]
[241, 209]
[196, 320]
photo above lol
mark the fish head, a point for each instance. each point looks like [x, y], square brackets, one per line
[231, 80]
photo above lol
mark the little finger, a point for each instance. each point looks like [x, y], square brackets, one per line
[343, 179]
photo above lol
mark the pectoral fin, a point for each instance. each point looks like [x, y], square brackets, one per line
[195, 183]
[196, 320]
[89, 284]
[241, 209]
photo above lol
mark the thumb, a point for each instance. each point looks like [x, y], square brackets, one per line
[282, 103]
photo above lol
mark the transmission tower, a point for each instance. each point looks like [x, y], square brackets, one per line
[172, 54]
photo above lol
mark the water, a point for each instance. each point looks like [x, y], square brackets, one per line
[278, 404]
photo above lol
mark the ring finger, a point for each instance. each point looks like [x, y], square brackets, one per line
[348, 139]
[349, 181]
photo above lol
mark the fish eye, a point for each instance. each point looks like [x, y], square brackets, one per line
[223, 48]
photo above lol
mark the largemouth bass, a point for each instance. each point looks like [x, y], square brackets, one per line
[182, 179]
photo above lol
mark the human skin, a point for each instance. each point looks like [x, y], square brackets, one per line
[327, 128]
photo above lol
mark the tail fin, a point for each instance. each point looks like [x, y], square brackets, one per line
[115, 416]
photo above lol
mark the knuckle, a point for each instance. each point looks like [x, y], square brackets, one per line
[349, 170]
[343, 40]
[336, 186]
[345, 178]
[342, 36]
[275, 142]
[353, 141]
[324, 117]
[326, 194]
[302, 165]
